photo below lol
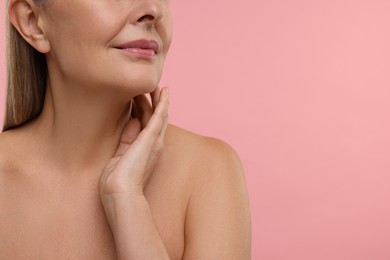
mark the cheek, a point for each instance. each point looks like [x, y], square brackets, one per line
[83, 22]
[77, 42]
[166, 33]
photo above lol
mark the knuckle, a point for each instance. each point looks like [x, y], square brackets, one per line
[162, 117]
[159, 145]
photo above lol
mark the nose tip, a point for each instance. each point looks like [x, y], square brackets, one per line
[152, 12]
[147, 18]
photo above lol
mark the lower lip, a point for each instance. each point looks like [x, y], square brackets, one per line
[145, 53]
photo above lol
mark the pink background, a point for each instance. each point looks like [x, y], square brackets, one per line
[301, 89]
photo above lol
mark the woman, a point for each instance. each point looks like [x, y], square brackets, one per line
[89, 169]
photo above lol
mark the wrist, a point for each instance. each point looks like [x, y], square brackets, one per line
[133, 227]
[118, 205]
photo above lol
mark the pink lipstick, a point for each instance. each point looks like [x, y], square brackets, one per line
[143, 48]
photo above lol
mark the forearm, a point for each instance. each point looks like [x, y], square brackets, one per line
[136, 236]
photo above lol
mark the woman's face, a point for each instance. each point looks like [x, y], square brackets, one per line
[92, 42]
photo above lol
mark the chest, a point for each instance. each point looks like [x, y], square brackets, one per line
[44, 224]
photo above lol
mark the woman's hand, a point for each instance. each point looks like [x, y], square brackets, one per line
[125, 175]
[140, 147]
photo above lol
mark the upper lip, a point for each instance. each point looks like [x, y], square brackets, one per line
[141, 44]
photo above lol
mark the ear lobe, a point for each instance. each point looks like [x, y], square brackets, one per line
[26, 21]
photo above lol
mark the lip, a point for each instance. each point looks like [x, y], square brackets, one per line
[140, 46]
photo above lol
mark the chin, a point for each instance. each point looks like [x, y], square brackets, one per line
[128, 82]
[144, 83]
[144, 89]
[134, 87]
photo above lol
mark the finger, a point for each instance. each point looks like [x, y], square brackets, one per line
[155, 96]
[144, 109]
[164, 129]
[157, 151]
[165, 123]
[158, 120]
[129, 134]
[143, 145]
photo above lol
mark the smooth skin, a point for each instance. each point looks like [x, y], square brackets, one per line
[91, 178]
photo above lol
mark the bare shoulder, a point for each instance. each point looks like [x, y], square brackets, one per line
[7, 144]
[13, 154]
[8, 160]
[201, 152]
[218, 207]
[204, 160]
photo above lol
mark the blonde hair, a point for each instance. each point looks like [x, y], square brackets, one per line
[26, 79]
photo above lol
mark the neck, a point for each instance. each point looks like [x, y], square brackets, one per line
[79, 131]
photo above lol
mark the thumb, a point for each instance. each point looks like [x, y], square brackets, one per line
[129, 134]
